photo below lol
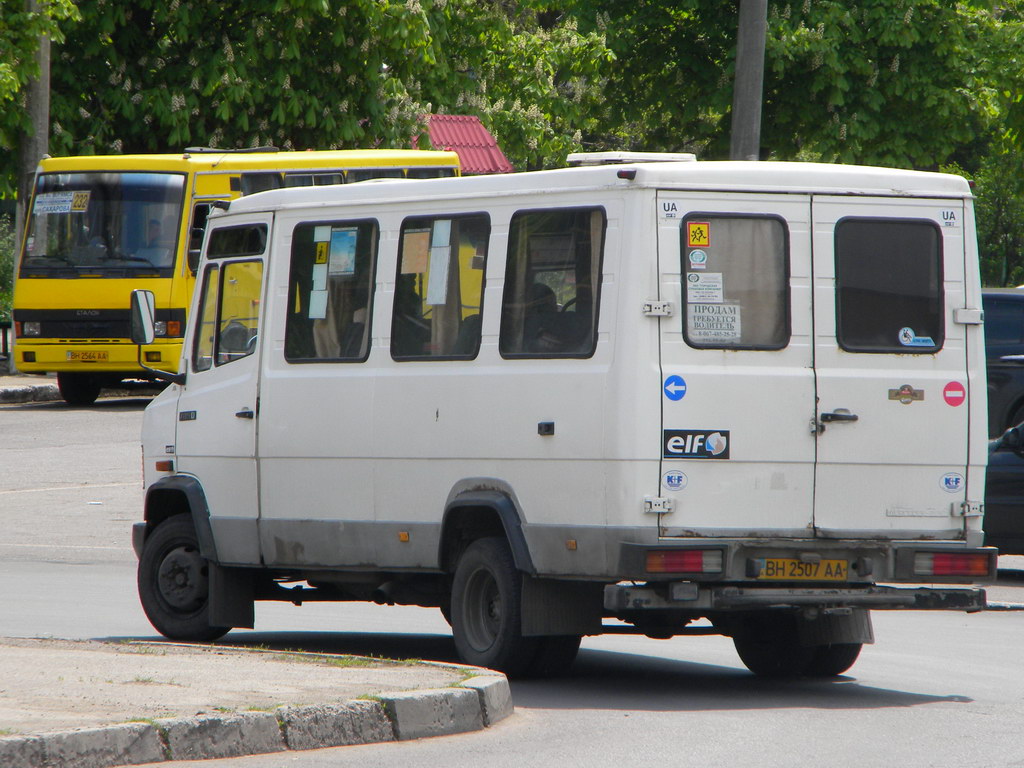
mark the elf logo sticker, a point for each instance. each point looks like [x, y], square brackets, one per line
[695, 444]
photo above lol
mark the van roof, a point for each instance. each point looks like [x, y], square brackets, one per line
[732, 176]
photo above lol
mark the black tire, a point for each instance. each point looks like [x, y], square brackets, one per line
[832, 660]
[554, 656]
[769, 646]
[174, 582]
[487, 609]
[78, 388]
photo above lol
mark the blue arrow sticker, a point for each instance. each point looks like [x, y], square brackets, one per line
[675, 388]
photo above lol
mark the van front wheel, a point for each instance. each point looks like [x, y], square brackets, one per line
[487, 609]
[174, 585]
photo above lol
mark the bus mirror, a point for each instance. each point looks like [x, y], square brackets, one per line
[143, 313]
[193, 261]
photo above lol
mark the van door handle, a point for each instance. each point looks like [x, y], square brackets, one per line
[840, 414]
[245, 413]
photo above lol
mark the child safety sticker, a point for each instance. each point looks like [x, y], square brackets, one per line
[709, 322]
[695, 444]
[706, 287]
[698, 234]
[908, 338]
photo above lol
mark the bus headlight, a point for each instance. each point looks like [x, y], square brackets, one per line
[31, 328]
[160, 328]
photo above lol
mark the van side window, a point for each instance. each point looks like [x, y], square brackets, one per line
[552, 283]
[889, 286]
[439, 288]
[736, 281]
[330, 291]
[228, 313]
[202, 351]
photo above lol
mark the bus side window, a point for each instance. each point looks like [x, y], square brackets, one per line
[330, 291]
[195, 236]
[439, 288]
[552, 283]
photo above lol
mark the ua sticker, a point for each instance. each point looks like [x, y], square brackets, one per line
[698, 234]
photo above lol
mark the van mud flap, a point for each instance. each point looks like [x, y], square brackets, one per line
[691, 596]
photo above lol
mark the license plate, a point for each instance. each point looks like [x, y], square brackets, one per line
[791, 569]
[88, 356]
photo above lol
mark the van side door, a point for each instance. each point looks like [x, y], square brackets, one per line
[218, 407]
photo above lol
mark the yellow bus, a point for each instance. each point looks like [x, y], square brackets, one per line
[98, 227]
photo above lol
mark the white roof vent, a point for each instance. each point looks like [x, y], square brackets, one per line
[617, 158]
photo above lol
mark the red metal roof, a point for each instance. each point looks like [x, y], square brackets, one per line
[465, 135]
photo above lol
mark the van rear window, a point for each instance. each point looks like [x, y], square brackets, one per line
[736, 281]
[889, 286]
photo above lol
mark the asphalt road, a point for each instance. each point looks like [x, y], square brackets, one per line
[937, 689]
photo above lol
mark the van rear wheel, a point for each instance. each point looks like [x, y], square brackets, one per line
[487, 609]
[174, 585]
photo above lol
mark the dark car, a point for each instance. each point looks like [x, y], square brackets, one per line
[1004, 493]
[1004, 357]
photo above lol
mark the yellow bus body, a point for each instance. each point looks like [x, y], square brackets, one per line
[71, 310]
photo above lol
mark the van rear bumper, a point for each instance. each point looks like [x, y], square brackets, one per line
[688, 595]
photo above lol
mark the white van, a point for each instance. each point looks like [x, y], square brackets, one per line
[743, 398]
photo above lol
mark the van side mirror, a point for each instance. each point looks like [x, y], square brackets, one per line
[143, 314]
[143, 330]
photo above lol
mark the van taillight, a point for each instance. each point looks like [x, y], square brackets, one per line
[684, 561]
[952, 564]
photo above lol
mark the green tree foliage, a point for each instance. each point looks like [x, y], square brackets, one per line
[907, 83]
[20, 31]
[999, 211]
[156, 76]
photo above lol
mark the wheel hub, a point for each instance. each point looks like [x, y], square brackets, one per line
[183, 580]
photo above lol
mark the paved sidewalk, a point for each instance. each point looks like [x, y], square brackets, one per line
[87, 704]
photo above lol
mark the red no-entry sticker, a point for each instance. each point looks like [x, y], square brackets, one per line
[954, 393]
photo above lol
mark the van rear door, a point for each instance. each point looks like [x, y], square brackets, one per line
[891, 367]
[737, 368]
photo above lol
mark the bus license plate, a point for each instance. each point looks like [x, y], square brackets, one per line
[88, 356]
[791, 569]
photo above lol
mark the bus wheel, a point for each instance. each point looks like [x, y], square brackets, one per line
[832, 660]
[486, 609]
[78, 388]
[769, 646]
[174, 584]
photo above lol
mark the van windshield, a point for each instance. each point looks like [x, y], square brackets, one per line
[104, 225]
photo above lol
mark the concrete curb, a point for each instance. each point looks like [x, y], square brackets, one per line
[33, 393]
[473, 704]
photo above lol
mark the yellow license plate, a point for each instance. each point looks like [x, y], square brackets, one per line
[791, 569]
[88, 356]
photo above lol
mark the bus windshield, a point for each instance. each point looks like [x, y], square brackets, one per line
[104, 225]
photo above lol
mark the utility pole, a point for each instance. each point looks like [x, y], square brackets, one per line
[36, 143]
[748, 87]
